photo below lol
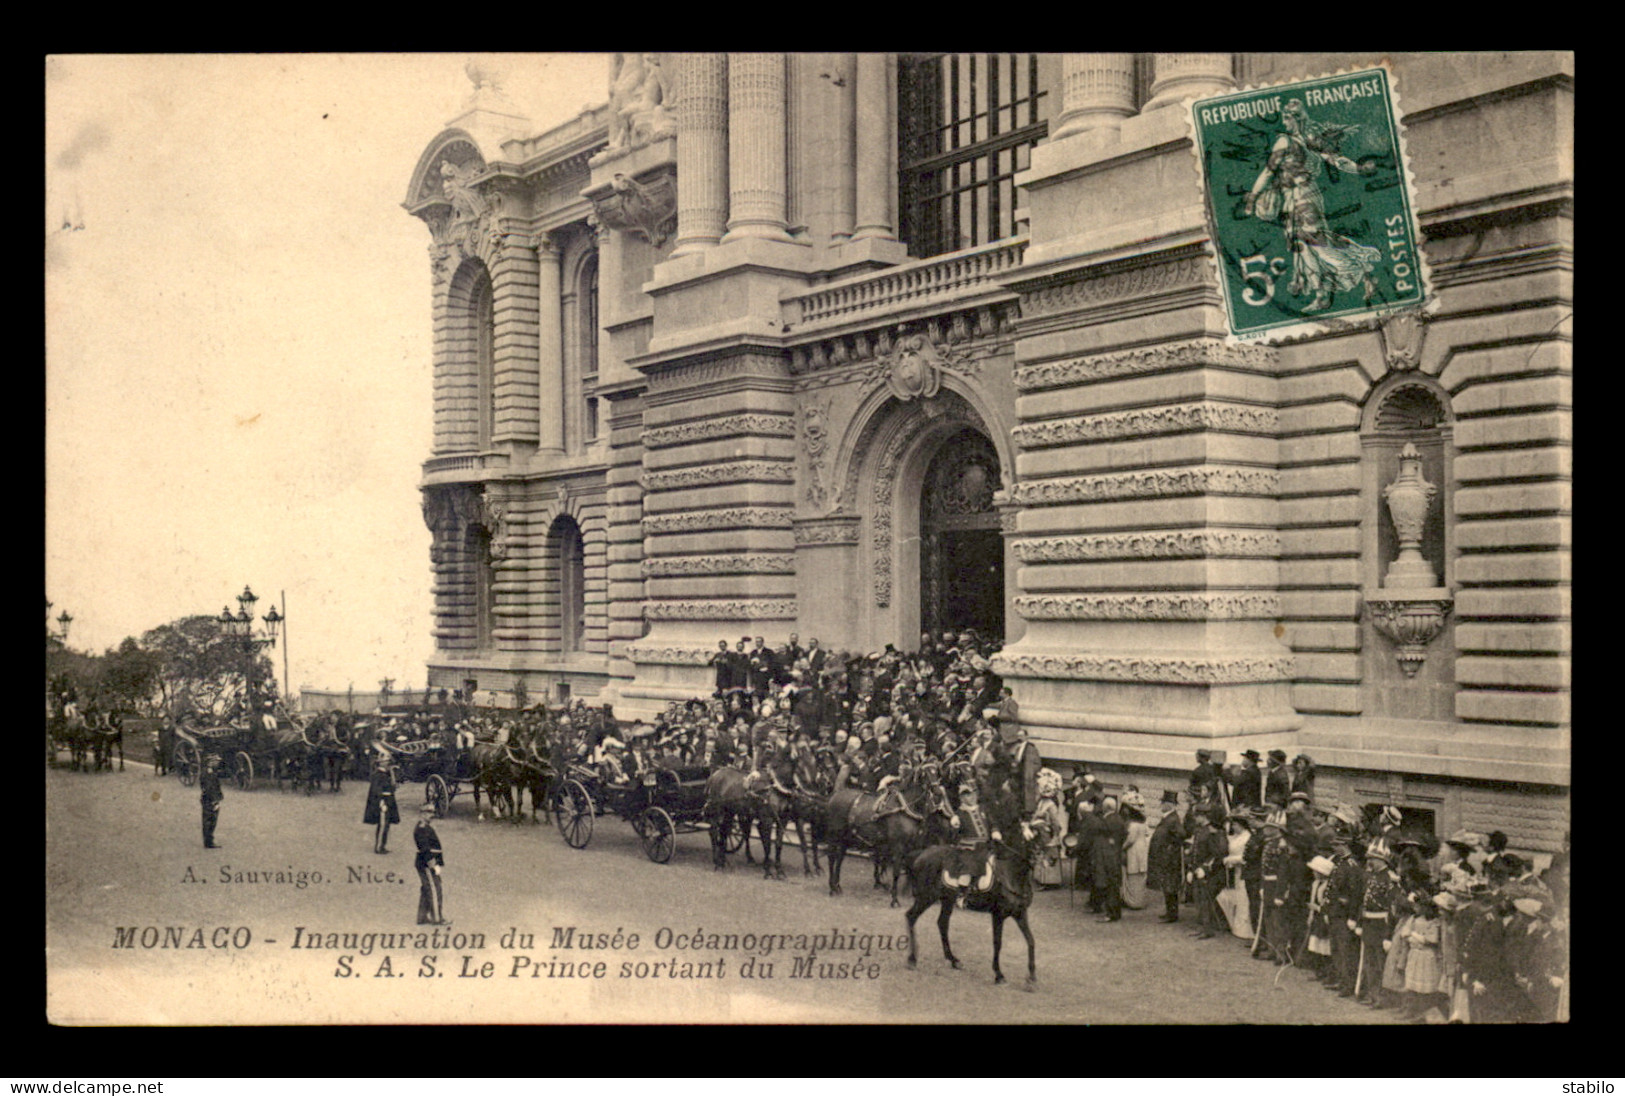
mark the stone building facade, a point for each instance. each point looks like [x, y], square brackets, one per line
[852, 345]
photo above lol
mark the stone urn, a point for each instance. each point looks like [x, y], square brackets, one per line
[1411, 607]
[1409, 498]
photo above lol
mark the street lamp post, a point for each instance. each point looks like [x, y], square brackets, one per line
[240, 627]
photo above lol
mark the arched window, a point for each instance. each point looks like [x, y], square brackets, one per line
[572, 584]
[480, 307]
[588, 304]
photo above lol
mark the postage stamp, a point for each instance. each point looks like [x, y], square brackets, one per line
[1310, 203]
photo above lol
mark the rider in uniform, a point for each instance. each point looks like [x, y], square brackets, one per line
[970, 855]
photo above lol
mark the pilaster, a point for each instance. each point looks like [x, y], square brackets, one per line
[877, 142]
[551, 386]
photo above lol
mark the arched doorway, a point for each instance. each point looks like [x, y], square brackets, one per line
[961, 546]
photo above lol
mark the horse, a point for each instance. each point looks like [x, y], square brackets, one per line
[850, 819]
[729, 801]
[1011, 891]
[493, 774]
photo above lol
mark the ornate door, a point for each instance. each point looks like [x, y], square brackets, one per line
[961, 548]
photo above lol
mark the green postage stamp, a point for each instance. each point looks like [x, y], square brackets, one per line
[1310, 203]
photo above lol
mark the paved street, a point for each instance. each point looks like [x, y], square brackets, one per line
[124, 851]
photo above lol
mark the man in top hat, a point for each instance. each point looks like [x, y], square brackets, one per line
[210, 797]
[1375, 925]
[1165, 856]
[1278, 780]
[1107, 851]
[1248, 790]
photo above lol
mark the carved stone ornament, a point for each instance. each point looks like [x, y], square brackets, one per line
[669, 656]
[1148, 668]
[1148, 606]
[913, 371]
[1411, 621]
[757, 609]
[494, 516]
[1402, 335]
[648, 209]
[815, 443]
[821, 531]
[471, 219]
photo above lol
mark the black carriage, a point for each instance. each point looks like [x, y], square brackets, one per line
[228, 745]
[658, 803]
[445, 773]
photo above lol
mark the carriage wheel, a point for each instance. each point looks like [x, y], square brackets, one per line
[737, 835]
[659, 835]
[242, 771]
[437, 795]
[573, 812]
[186, 763]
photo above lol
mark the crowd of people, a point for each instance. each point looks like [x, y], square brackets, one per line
[1458, 930]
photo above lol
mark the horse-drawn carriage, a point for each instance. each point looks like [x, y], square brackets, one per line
[658, 803]
[250, 750]
[444, 772]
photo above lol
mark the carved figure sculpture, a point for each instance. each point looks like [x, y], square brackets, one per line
[639, 101]
[468, 206]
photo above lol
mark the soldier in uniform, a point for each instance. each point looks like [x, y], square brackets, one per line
[1345, 892]
[1205, 869]
[1376, 920]
[210, 796]
[1025, 762]
[972, 835]
[430, 859]
[1275, 862]
[381, 810]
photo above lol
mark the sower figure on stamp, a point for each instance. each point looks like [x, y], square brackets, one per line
[210, 796]
[430, 860]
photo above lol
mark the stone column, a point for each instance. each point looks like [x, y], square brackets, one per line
[1181, 76]
[1097, 92]
[876, 150]
[756, 126]
[702, 151]
[550, 349]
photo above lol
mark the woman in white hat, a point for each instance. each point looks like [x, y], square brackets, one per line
[1136, 850]
[1051, 820]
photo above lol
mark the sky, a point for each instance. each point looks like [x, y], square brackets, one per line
[238, 342]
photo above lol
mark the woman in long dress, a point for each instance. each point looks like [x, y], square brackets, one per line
[1136, 851]
[1047, 870]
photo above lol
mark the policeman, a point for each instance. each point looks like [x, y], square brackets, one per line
[210, 797]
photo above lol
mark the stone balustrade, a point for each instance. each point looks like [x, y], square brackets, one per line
[927, 282]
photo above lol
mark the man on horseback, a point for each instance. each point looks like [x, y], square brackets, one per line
[972, 858]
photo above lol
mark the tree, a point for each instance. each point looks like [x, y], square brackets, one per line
[201, 668]
[128, 677]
